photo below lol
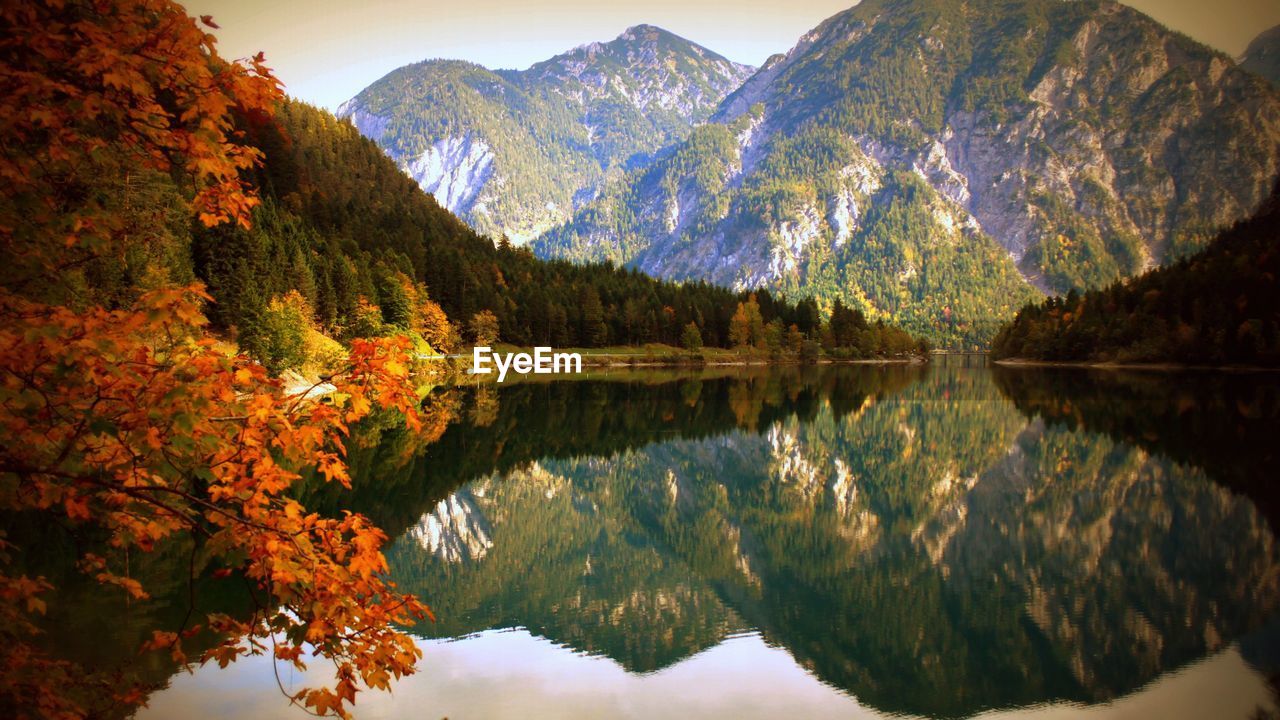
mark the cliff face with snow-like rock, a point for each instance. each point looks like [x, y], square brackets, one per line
[517, 152]
[455, 531]
[454, 170]
[370, 125]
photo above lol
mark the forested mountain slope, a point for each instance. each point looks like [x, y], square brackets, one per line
[516, 152]
[1218, 307]
[931, 161]
[1263, 55]
[345, 229]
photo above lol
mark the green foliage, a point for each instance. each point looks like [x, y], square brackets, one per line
[279, 337]
[341, 224]
[1076, 255]
[691, 338]
[394, 301]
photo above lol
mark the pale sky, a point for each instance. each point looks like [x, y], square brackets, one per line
[326, 51]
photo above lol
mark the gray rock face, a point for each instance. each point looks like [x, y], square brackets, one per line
[454, 170]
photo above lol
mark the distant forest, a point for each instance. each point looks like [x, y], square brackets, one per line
[1220, 306]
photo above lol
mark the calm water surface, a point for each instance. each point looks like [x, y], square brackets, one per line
[839, 542]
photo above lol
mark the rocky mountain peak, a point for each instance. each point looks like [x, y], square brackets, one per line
[903, 144]
[644, 33]
[515, 152]
[648, 49]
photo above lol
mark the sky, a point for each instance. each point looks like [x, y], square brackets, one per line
[326, 51]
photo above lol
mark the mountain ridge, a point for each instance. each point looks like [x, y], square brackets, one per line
[1058, 144]
[516, 151]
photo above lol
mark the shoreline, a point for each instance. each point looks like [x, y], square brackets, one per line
[614, 361]
[666, 356]
[1152, 367]
[640, 367]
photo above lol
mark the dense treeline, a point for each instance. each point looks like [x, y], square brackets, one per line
[1220, 306]
[367, 252]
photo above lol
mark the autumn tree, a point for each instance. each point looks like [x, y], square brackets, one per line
[118, 413]
[795, 339]
[433, 325]
[367, 320]
[740, 327]
[484, 328]
[425, 316]
[746, 328]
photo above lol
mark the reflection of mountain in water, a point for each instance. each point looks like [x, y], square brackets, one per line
[928, 548]
[455, 531]
[1223, 423]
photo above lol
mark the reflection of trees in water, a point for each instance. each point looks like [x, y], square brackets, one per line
[1223, 423]
[908, 535]
[103, 631]
[926, 549]
[400, 476]
[572, 419]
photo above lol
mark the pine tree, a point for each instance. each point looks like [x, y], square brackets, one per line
[691, 338]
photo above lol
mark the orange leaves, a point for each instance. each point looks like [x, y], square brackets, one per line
[23, 592]
[357, 407]
[126, 419]
[325, 702]
[77, 507]
[164, 640]
[121, 419]
[332, 468]
[126, 86]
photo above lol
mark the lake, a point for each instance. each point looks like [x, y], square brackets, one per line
[839, 541]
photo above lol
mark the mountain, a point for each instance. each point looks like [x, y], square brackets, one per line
[516, 152]
[1221, 306]
[1263, 55]
[933, 161]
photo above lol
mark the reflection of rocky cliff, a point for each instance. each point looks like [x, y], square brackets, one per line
[398, 478]
[455, 531]
[930, 550]
[1225, 424]
[566, 563]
